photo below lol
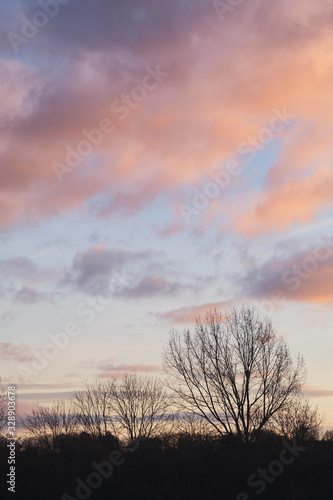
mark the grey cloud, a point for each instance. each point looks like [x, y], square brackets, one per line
[299, 275]
[45, 396]
[28, 295]
[17, 267]
[138, 367]
[91, 271]
[102, 24]
[97, 270]
[153, 286]
[125, 274]
[42, 386]
[19, 275]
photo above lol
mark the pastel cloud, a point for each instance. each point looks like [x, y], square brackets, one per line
[125, 274]
[8, 316]
[153, 286]
[189, 314]
[17, 267]
[108, 368]
[20, 277]
[28, 295]
[317, 392]
[91, 270]
[297, 201]
[303, 276]
[193, 120]
[18, 88]
[45, 396]
[45, 386]
[13, 352]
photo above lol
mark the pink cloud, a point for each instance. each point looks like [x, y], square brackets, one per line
[196, 118]
[24, 408]
[304, 276]
[297, 201]
[27, 295]
[189, 314]
[114, 371]
[130, 368]
[8, 316]
[13, 352]
[110, 368]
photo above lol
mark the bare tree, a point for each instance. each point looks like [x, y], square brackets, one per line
[299, 420]
[233, 371]
[64, 416]
[141, 405]
[45, 424]
[92, 407]
[328, 435]
[192, 424]
[37, 427]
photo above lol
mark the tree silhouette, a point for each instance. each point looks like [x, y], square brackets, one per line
[131, 408]
[299, 420]
[141, 405]
[92, 407]
[233, 371]
[46, 424]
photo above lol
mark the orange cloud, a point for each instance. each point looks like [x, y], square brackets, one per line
[303, 277]
[297, 201]
[189, 314]
[195, 119]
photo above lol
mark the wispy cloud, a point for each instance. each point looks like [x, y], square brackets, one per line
[301, 276]
[317, 392]
[12, 352]
[8, 316]
[109, 368]
[189, 314]
[49, 250]
[196, 129]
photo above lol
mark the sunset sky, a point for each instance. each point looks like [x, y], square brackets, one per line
[160, 158]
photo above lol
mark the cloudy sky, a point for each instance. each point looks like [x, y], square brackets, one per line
[160, 158]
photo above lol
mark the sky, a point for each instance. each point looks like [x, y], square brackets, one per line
[161, 158]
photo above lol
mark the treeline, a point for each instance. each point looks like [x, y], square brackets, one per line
[182, 466]
[229, 422]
